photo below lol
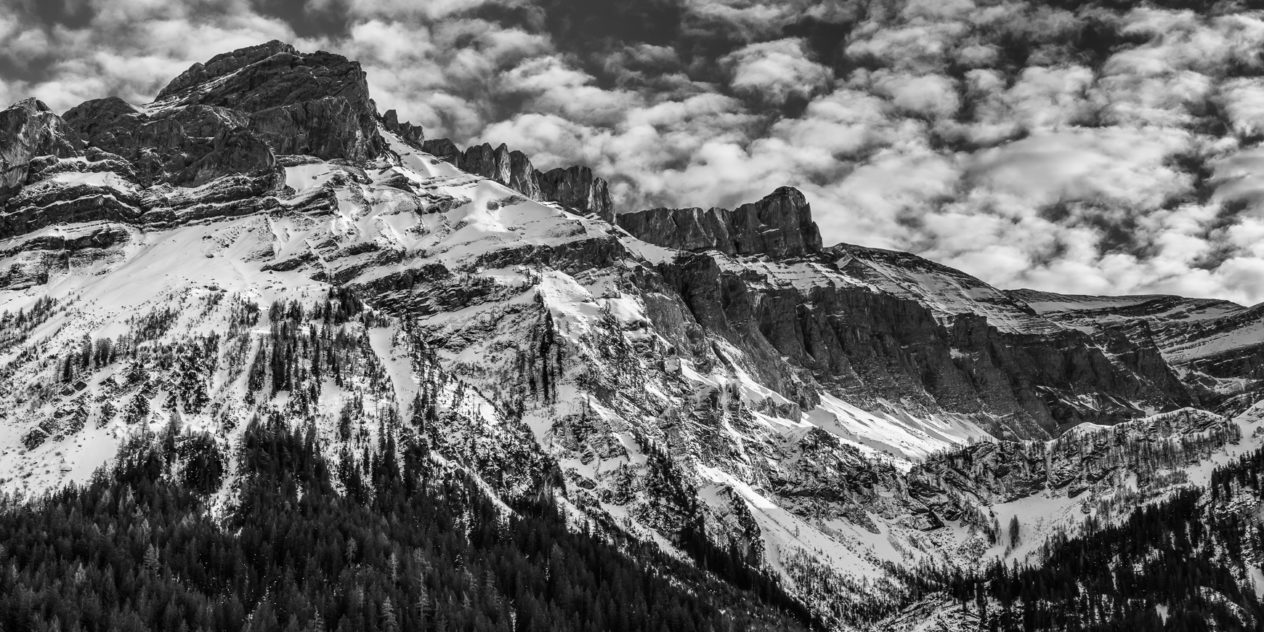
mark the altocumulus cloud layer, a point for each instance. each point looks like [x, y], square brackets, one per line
[1073, 146]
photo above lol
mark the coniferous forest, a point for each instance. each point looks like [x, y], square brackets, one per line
[1189, 563]
[393, 542]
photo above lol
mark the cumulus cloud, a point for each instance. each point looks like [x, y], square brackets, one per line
[932, 96]
[776, 71]
[1124, 167]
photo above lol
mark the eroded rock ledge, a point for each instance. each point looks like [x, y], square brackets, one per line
[780, 225]
[574, 187]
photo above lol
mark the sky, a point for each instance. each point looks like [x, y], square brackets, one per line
[1080, 147]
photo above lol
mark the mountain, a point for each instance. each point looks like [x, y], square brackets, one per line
[1218, 346]
[260, 265]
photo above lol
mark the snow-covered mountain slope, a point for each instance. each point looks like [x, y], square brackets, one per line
[705, 380]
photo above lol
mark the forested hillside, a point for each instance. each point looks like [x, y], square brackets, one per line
[388, 540]
[1192, 562]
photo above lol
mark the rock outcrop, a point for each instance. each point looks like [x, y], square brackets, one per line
[299, 103]
[510, 168]
[872, 345]
[443, 149]
[779, 225]
[747, 386]
[1219, 345]
[1073, 463]
[28, 130]
[575, 188]
[412, 134]
[218, 118]
[165, 146]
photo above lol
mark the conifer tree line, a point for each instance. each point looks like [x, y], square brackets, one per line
[1185, 564]
[385, 531]
[394, 542]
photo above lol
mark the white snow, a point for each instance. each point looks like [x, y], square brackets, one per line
[897, 434]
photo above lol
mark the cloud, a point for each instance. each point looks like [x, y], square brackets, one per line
[1243, 101]
[1120, 166]
[932, 96]
[775, 71]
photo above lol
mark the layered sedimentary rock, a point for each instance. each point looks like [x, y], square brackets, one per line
[876, 325]
[1073, 463]
[741, 383]
[234, 113]
[575, 187]
[299, 103]
[164, 147]
[410, 133]
[779, 225]
[1219, 345]
[510, 168]
[28, 130]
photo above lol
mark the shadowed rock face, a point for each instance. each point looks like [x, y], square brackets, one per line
[575, 188]
[1217, 344]
[288, 102]
[166, 147]
[299, 103]
[510, 168]
[871, 345]
[443, 149]
[28, 130]
[780, 225]
[407, 131]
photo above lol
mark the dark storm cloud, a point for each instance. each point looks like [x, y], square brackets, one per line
[1100, 149]
[307, 18]
[73, 14]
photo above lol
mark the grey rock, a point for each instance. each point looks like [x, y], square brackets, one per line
[779, 225]
[299, 103]
[442, 148]
[577, 188]
[510, 168]
[28, 129]
[234, 151]
[410, 133]
[167, 146]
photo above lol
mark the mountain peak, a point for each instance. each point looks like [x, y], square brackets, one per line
[298, 103]
[28, 130]
[224, 64]
[245, 107]
[779, 225]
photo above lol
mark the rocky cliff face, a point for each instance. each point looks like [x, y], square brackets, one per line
[576, 187]
[299, 103]
[887, 326]
[1217, 346]
[779, 225]
[29, 130]
[409, 133]
[573, 187]
[235, 113]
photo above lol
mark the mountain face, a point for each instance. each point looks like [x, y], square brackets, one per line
[817, 425]
[573, 187]
[1217, 346]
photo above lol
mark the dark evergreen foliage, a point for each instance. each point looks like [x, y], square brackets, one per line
[1183, 564]
[406, 545]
